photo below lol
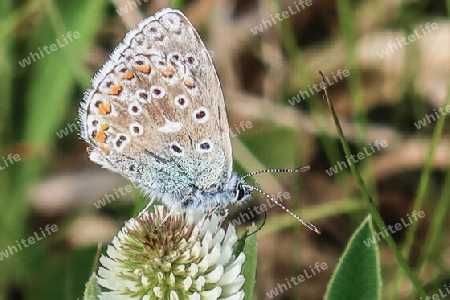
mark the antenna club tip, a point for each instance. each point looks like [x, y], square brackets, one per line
[317, 231]
[303, 169]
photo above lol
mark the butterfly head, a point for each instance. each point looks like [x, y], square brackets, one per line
[242, 191]
[234, 191]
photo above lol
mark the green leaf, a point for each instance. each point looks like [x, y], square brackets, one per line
[357, 276]
[249, 268]
[92, 289]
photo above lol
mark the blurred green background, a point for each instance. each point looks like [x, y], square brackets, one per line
[390, 88]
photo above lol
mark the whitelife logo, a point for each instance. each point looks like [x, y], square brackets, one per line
[71, 127]
[256, 210]
[12, 158]
[398, 226]
[108, 198]
[302, 95]
[411, 38]
[31, 240]
[281, 287]
[352, 159]
[299, 6]
[439, 296]
[34, 56]
[429, 118]
[243, 127]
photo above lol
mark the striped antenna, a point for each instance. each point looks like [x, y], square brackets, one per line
[296, 170]
[271, 198]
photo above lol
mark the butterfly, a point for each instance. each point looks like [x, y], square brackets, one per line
[156, 114]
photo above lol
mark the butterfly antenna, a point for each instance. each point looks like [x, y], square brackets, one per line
[296, 170]
[271, 198]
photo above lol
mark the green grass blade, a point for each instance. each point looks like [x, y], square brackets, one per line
[436, 228]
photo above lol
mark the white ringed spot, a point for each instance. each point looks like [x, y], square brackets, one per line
[134, 108]
[200, 115]
[120, 142]
[181, 101]
[136, 129]
[176, 149]
[143, 96]
[205, 146]
[157, 91]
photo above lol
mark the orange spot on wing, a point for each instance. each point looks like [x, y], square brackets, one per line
[104, 149]
[100, 137]
[128, 75]
[104, 127]
[104, 108]
[144, 69]
[115, 90]
[168, 72]
[189, 83]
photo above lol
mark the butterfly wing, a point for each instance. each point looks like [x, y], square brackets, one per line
[156, 111]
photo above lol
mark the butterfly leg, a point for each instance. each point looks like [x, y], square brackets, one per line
[172, 211]
[150, 203]
[222, 212]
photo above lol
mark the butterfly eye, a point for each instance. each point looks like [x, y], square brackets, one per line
[240, 193]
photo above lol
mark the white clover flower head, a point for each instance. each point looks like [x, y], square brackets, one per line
[188, 257]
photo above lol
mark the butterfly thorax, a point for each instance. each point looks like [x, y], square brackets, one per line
[192, 189]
